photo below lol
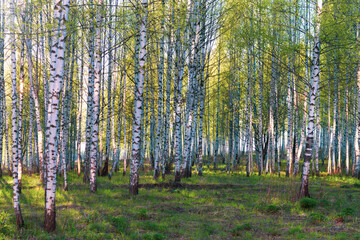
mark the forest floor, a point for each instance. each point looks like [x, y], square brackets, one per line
[214, 206]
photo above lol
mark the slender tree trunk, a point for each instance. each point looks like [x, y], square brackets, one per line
[217, 109]
[15, 133]
[109, 126]
[61, 11]
[134, 175]
[124, 118]
[179, 75]
[80, 112]
[96, 103]
[90, 96]
[313, 92]
[357, 133]
[330, 134]
[158, 150]
[317, 138]
[2, 84]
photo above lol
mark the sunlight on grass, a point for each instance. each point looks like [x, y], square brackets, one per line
[266, 202]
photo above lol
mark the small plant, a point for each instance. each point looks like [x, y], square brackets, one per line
[324, 203]
[274, 232]
[149, 225]
[357, 184]
[295, 230]
[142, 214]
[158, 236]
[147, 236]
[98, 227]
[4, 225]
[345, 186]
[349, 196]
[272, 208]
[340, 218]
[209, 228]
[238, 229]
[347, 211]
[121, 224]
[316, 218]
[308, 203]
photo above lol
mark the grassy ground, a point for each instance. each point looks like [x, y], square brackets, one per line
[215, 206]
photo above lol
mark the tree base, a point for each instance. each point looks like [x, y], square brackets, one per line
[156, 174]
[49, 224]
[186, 173]
[105, 170]
[19, 219]
[177, 177]
[134, 190]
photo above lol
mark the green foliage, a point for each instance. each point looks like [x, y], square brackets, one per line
[348, 211]
[342, 236]
[324, 203]
[209, 228]
[238, 229]
[121, 224]
[164, 214]
[99, 227]
[295, 230]
[142, 214]
[357, 185]
[158, 236]
[349, 196]
[308, 203]
[340, 217]
[345, 186]
[316, 218]
[155, 236]
[149, 225]
[272, 209]
[5, 228]
[274, 232]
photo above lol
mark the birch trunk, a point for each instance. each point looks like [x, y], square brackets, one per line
[313, 92]
[357, 133]
[21, 101]
[134, 175]
[61, 11]
[80, 112]
[158, 150]
[179, 74]
[90, 96]
[2, 84]
[15, 133]
[96, 103]
[109, 124]
[168, 89]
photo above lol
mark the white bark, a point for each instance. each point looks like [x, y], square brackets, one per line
[313, 92]
[96, 104]
[61, 11]
[134, 177]
[15, 133]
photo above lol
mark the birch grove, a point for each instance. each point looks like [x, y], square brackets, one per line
[182, 89]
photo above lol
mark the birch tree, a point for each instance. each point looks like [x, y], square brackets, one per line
[134, 175]
[313, 91]
[15, 134]
[57, 57]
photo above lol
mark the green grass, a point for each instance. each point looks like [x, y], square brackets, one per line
[217, 206]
